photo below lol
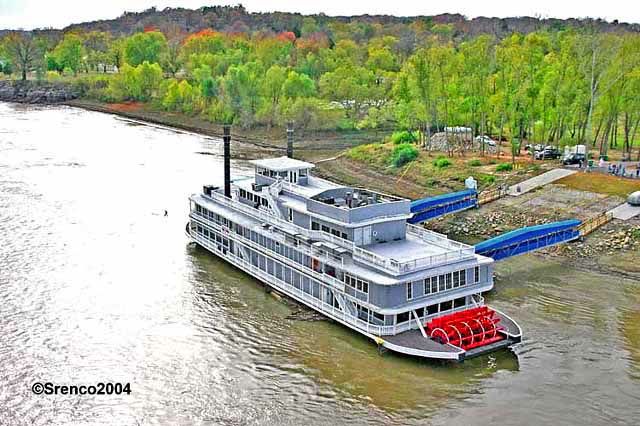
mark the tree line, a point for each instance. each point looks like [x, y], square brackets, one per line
[557, 87]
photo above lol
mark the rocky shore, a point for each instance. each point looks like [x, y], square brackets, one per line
[34, 92]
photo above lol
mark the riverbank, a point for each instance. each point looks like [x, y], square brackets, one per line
[250, 143]
[327, 149]
[33, 92]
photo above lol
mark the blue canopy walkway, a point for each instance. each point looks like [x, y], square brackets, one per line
[528, 239]
[429, 208]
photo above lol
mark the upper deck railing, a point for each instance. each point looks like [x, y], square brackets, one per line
[455, 251]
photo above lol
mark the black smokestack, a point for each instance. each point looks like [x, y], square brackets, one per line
[290, 139]
[226, 139]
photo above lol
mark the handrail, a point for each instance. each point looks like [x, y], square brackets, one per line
[359, 253]
[329, 310]
[591, 224]
[334, 281]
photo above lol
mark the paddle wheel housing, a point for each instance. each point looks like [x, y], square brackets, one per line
[466, 329]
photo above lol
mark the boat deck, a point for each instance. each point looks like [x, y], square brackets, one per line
[414, 339]
[412, 342]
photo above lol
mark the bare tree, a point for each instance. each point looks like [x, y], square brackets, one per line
[25, 51]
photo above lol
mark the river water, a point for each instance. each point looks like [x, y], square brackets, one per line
[96, 285]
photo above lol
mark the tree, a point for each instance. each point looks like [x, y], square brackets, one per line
[96, 46]
[69, 53]
[136, 83]
[148, 46]
[298, 85]
[24, 51]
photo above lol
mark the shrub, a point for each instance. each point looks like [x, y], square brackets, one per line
[403, 154]
[92, 86]
[441, 162]
[475, 163]
[504, 167]
[403, 137]
[487, 179]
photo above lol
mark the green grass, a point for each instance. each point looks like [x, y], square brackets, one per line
[504, 167]
[442, 162]
[601, 183]
[403, 154]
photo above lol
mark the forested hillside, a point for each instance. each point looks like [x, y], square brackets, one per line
[551, 81]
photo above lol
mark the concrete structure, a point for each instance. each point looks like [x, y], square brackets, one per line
[538, 181]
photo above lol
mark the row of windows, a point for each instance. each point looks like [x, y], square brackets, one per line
[368, 315]
[324, 228]
[214, 217]
[432, 309]
[356, 283]
[271, 173]
[256, 199]
[443, 282]
[213, 236]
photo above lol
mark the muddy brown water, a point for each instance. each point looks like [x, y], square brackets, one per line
[97, 285]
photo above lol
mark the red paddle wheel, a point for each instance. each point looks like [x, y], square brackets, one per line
[466, 329]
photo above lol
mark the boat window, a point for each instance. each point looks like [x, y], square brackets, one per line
[463, 277]
[344, 236]
[445, 306]
[456, 279]
[403, 317]
[409, 291]
[459, 302]
[290, 216]
[315, 226]
[441, 283]
[432, 309]
[264, 202]
[356, 283]
[303, 172]
[449, 281]
[420, 312]
[378, 316]
[325, 228]
[476, 274]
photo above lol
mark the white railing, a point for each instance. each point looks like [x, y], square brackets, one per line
[335, 283]
[386, 263]
[263, 216]
[436, 238]
[309, 300]
[298, 294]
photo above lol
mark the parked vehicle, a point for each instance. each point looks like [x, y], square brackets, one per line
[537, 147]
[574, 158]
[486, 139]
[548, 153]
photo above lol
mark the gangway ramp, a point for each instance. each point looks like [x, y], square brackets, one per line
[528, 239]
[432, 207]
[538, 181]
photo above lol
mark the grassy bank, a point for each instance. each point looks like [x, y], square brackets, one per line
[601, 184]
[434, 173]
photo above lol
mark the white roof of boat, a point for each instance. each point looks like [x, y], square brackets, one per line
[282, 164]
